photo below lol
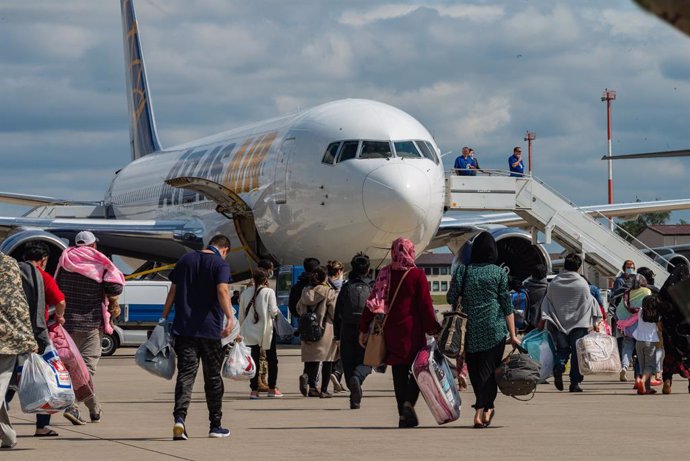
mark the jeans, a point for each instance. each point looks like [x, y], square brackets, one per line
[352, 354]
[565, 348]
[627, 351]
[271, 359]
[211, 353]
[89, 344]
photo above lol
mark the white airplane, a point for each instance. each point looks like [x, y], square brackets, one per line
[346, 176]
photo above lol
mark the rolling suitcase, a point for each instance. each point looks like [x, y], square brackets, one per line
[436, 383]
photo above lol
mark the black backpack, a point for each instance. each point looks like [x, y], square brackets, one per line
[310, 328]
[356, 293]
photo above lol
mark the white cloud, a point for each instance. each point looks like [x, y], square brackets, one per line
[479, 13]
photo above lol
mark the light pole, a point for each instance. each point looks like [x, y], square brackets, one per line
[608, 96]
[529, 137]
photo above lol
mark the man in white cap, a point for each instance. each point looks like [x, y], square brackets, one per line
[91, 284]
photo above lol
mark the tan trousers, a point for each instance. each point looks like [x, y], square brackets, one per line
[7, 435]
[89, 344]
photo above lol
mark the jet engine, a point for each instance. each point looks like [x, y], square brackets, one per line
[14, 245]
[516, 253]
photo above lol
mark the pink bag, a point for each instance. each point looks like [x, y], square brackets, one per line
[436, 383]
[74, 362]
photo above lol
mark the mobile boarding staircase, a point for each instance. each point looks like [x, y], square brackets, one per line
[546, 211]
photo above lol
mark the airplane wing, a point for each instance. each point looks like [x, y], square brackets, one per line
[162, 240]
[37, 200]
[662, 154]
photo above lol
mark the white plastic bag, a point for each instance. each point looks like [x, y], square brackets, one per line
[283, 327]
[45, 385]
[239, 364]
[235, 329]
[157, 355]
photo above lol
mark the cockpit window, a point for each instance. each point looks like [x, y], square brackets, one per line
[376, 149]
[407, 149]
[348, 151]
[427, 150]
[330, 154]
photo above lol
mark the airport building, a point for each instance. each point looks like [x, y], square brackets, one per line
[437, 269]
[664, 235]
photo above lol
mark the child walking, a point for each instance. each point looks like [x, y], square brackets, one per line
[646, 336]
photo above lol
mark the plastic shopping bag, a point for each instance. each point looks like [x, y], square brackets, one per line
[157, 355]
[540, 347]
[234, 332]
[283, 327]
[74, 362]
[45, 385]
[239, 364]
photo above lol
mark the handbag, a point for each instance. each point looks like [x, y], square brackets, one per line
[451, 339]
[518, 374]
[375, 352]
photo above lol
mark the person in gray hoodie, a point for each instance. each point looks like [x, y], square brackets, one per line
[568, 311]
[536, 290]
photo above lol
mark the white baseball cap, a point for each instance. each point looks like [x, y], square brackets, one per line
[84, 238]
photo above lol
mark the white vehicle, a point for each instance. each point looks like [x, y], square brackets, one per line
[141, 303]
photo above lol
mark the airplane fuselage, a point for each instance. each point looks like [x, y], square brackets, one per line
[302, 204]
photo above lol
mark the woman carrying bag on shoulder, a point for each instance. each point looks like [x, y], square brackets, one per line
[486, 301]
[401, 296]
[318, 298]
[258, 307]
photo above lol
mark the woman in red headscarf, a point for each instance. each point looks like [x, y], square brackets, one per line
[410, 316]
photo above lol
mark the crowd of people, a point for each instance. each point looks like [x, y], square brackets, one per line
[467, 164]
[339, 312]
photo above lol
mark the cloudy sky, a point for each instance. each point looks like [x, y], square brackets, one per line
[474, 73]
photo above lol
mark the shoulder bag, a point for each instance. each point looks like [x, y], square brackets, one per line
[375, 352]
[451, 339]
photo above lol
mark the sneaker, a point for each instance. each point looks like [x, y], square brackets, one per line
[558, 380]
[304, 384]
[274, 393]
[337, 387]
[355, 392]
[219, 432]
[313, 393]
[622, 376]
[96, 417]
[655, 382]
[254, 395]
[179, 430]
[73, 416]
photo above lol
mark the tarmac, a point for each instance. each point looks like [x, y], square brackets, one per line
[608, 420]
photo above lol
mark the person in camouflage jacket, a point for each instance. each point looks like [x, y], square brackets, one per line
[16, 337]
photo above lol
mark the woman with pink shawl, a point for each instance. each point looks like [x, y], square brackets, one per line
[410, 316]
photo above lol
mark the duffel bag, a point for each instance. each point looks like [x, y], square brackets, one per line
[518, 374]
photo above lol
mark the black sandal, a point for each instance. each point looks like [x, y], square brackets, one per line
[493, 412]
[50, 433]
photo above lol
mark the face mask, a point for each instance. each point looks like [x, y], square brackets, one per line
[337, 282]
[630, 270]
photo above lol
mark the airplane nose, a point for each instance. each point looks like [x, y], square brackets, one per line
[396, 198]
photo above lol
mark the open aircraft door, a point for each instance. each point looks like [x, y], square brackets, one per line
[230, 205]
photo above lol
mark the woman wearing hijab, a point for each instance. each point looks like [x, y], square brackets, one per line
[486, 301]
[410, 316]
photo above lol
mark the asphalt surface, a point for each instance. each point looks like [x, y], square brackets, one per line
[608, 421]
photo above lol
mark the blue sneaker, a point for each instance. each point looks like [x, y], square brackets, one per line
[179, 430]
[219, 432]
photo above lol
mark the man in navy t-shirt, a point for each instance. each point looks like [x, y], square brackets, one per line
[517, 166]
[201, 296]
[464, 164]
